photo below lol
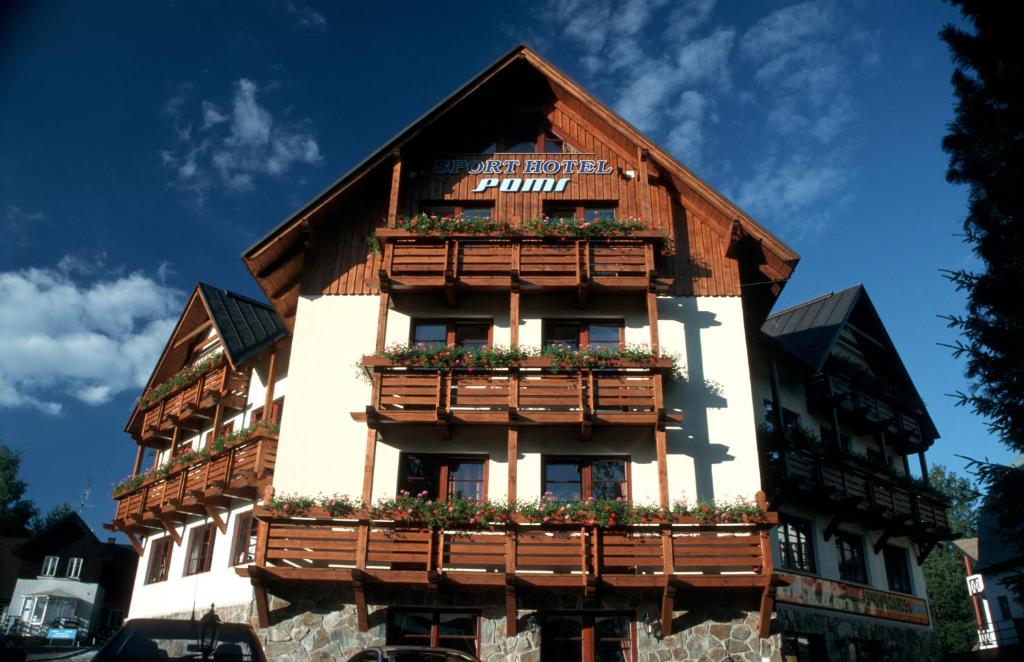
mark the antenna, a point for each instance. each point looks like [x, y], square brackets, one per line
[83, 503]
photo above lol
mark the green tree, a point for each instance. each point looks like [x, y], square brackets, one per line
[16, 512]
[985, 144]
[41, 523]
[944, 571]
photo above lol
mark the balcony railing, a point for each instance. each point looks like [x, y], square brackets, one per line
[186, 404]
[864, 410]
[413, 261]
[627, 394]
[321, 547]
[868, 495]
[239, 471]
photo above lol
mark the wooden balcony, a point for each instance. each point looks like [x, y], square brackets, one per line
[475, 262]
[201, 489]
[529, 394]
[510, 556]
[189, 406]
[866, 412]
[856, 493]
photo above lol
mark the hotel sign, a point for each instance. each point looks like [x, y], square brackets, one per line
[826, 594]
[521, 175]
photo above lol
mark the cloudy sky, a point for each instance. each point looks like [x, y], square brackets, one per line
[143, 146]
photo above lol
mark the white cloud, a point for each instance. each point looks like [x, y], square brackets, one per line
[786, 190]
[785, 29]
[306, 17]
[234, 147]
[62, 338]
[19, 224]
[686, 138]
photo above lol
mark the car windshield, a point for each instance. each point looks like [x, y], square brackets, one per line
[177, 640]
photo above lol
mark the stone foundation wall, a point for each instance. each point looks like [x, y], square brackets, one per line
[898, 641]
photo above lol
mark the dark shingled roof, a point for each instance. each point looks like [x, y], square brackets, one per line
[246, 326]
[808, 330]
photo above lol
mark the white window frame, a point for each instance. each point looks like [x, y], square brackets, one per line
[75, 564]
[50, 565]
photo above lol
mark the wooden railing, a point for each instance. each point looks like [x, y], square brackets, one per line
[567, 555]
[237, 471]
[413, 261]
[217, 385]
[875, 495]
[865, 410]
[532, 395]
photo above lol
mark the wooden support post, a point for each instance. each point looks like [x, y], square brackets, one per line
[268, 402]
[660, 445]
[138, 461]
[362, 618]
[777, 419]
[764, 624]
[371, 453]
[218, 420]
[924, 467]
[513, 318]
[259, 591]
[396, 181]
[134, 540]
[652, 319]
[213, 514]
[172, 531]
[382, 321]
[644, 185]
[513, 462]
[263, 531]
[511, 626]
[668, 599]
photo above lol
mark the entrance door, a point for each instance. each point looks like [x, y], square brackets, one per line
[588, 637]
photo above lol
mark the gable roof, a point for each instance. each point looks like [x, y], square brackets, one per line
[245, 326]
[71, 523]
[285, 242]
[809, 331]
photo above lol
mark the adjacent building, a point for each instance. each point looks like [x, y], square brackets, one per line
[67, 577]
[524, 374]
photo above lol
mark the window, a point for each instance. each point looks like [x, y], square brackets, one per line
[850, 550]
[472, 333]
[605, 334]
[434, 627]
[790, 419]
[181, 448]
[443, 477]
[796, 547]
[459, 210]
[897, 569]
[1004, 608]
[50, 566]
[75, 567]
[200, 550]
[588, 637]
[576, 478]
[803, 648]
[276, 410]
[159, 561]
[244, 549]
[583, 211]
[115, 618]
[828, 435]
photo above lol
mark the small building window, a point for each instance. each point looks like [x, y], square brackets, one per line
[790, 419]
[159, 561]
[458, 210]
[803, 648]
[200, 550]
[276, 411]
[244, 549]
[434, 627]
[576, 478]
[796, 545]
[443, 477]
[588, 637]
[850, 551]
[581, 211]
[50, 564]
[897, 569]
[433, 333]
[74, 570]
[573, 334]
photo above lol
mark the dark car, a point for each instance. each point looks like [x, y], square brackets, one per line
[411, 654]
[167, 639]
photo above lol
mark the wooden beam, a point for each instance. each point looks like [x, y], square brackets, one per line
[362, 617]
[924, 550]
[832, 527]
[513, 462]
[371, 453]
[668, 599]
[652, 319]
[172, 530]
[396, 181]
[511, 626]
[513, 318]
[212, 513]
[134, 540]
[764, 623]
[259, 590]
[382, 321]
[661, 447]
[193, 333]
[138, 461]
[643, 183]
[268, 401]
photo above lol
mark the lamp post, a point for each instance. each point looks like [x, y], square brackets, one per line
[209, 625]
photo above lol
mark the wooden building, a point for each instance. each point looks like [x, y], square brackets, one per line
[515, 343]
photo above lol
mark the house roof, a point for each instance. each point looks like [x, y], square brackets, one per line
[968, 546]
[246, 326]
[809, 331]
[278, 247]
[71, 522]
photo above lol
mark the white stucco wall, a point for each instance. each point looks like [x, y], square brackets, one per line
[89, 595]
[179, 593]
[321, 449]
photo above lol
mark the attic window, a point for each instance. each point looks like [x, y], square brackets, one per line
[553, 144]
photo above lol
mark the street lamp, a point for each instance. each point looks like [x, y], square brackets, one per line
[209, 625]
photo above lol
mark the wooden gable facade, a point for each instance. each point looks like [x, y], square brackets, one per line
[712, 248]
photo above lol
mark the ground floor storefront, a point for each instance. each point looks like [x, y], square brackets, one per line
[813, 635]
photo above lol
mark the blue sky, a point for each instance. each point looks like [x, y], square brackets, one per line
[143, 146]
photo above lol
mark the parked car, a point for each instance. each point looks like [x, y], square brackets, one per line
[166, 639]
[411, 654]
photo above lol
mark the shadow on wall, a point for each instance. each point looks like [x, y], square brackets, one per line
[694, 396]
